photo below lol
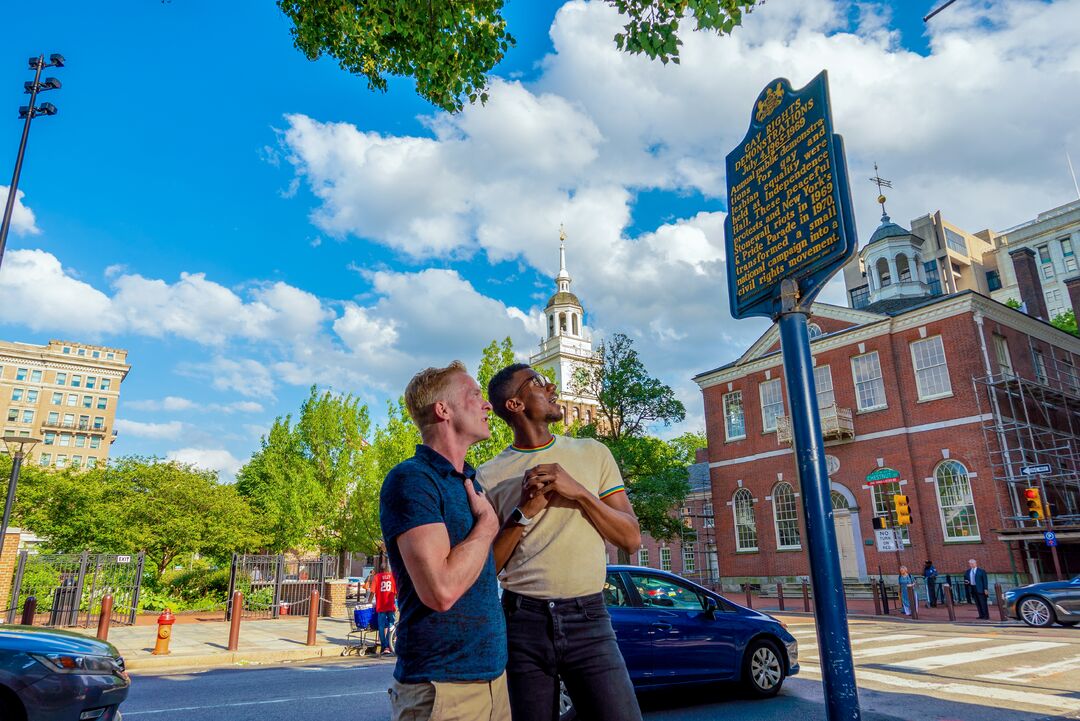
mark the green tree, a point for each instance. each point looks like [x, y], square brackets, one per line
[164, 508]
[629, 398]
[449, 48]
[1065, 321]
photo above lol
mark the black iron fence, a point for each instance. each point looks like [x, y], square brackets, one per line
[273, 586]
[69, 587]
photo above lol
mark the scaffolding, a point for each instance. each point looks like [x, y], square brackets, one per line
[1033, 422]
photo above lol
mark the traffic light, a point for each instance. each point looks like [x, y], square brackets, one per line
[903, 511]
[880, 523]
[1034, 503]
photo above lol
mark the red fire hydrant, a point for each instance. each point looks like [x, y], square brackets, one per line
[164, 632]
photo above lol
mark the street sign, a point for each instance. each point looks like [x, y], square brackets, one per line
[123, 559]
[881, 476]
[889, 540]
[1035, 470]
[1050, 537]
[789, 204]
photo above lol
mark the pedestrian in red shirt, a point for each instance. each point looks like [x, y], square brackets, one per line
[385, 590]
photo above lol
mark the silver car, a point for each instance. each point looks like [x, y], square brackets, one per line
[49, 675]
[1041, 604]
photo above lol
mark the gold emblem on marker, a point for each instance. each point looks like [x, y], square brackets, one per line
[771, 101]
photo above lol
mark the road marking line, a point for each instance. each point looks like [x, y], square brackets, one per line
[868, 639]
[252, 703]
[912, 647]
[1033, 672]
[955, 659]
[1059, 703]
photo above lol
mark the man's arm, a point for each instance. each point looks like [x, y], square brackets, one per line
[441, 574]
[613, 516]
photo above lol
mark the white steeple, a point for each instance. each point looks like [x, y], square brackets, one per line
[562, 280]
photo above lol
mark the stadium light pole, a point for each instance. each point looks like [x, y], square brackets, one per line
[29, 112]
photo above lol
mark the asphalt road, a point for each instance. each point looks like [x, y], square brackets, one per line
[933, 683]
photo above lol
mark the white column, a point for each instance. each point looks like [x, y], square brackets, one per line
[894, 277]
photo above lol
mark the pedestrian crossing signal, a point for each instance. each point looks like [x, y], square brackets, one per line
[903, 510]
[1034, 503]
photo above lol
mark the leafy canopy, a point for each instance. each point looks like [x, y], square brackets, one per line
[450, 46]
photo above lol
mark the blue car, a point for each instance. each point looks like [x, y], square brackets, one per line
[673, 632]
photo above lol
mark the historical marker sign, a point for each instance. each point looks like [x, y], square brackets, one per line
[789, 205]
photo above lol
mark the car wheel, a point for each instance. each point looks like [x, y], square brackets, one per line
[1034, 611]
[566, 706]
[763, 669]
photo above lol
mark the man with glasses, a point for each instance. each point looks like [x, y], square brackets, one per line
[558, 499]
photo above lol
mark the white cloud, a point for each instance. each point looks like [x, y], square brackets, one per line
[23, 221]
[245, 376]
[171, 429]
[175, 403]
[40, 294]
[214, 459]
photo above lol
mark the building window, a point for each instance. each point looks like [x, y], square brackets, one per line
[1001, 350]
[17, 394]
[35, 376]
[61, 379]
[44, 459]
[993, 280]
[707, 520]
[772, 404]
[58, 399]
[102, 402]
[643, 557]
[931, 371]
[99, 423]
[96, 354]
[32, 395]
[50, 438]
[27, 416]
[933, 279]
[69, 420]
[869, 387]
[105, 384]
[734, 422]
[80, 441]
[813, 330]
[76, 381]
[1067, 371]
[839, 501]
[76, 461]
[91, 381]
[20, 374]
[689, 562]
[61, 460]
[1053, 302]
[745, 527]
[72, 399]
[81, 351]
[883, 504]
[54, 418]
[91, 462]
[1067, 254]
[823, 386]
[67, 350]
[860, 297]
[1040, 366]
[84, 422]
[88, 401]
[665, 559]
[95, 442]
[13, 415]
[65, 439]
[955, 241]
[110, 356]
[1046, 262]
[955, 502]
[786, 517]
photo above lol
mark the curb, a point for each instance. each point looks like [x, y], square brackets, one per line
[150, 664]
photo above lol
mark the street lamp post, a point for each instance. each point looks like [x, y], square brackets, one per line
[29, 112]
[18, 447]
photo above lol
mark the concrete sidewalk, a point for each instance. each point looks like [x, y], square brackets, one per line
[205, 645]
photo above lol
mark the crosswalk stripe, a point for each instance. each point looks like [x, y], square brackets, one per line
[955, 659]
[949, 642]
[867, 639]
[1032, 672]
[1059, 703]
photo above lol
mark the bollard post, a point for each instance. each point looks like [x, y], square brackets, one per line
[884, 597]
[949, 601]
[876, 593]
[806, 596]
[780, 595]
[164, 633]
[234, 623]
[913, 599]
[1000, 598]
[29, 610]
[749, 602]
[105, 617]
[312, 617]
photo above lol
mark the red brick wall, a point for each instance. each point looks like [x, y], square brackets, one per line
[7, 566]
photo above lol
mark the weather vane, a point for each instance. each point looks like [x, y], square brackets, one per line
[562, 233]
[881, 183]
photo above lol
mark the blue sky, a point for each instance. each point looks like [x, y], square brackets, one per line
[246, 222]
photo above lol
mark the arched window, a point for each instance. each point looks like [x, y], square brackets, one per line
[883, 503]
[882, 267]
[576, 330]
[588, 415]
[551, 326]
[839, 501]
[903, 267]
[575, 413]
[814, 330]
[955, 502]
[786, 516]
[562, 323]
[742, 504]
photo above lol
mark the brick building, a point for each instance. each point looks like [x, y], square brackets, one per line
[955, 393]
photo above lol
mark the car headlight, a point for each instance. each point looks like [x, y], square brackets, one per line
[793, 652]
[1009, 595]
[77, 663]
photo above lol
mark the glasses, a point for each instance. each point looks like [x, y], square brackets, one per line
[537, 380]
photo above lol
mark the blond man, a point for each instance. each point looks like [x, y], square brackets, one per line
[439, 527]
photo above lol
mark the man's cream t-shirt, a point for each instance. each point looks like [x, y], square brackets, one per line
[561, 554]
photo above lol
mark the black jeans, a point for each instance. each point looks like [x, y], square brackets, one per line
[981, 603]
[570, 639]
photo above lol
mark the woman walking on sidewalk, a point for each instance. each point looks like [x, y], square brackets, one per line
[907, 596]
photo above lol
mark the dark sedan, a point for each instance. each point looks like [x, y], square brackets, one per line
[673, 632]
[49, 675]
[1041, 604]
